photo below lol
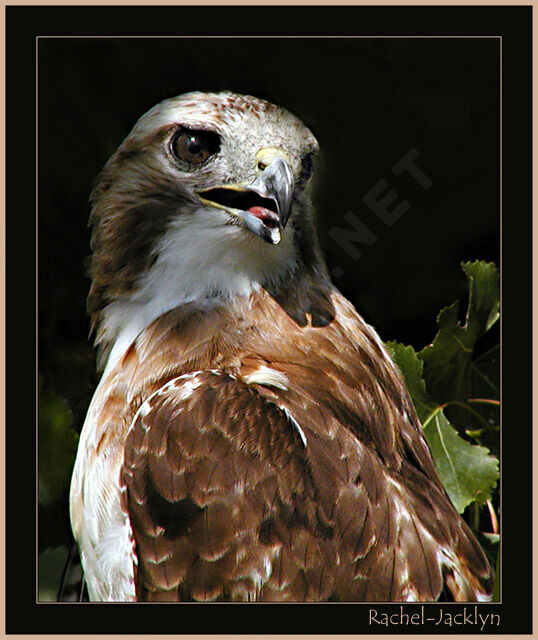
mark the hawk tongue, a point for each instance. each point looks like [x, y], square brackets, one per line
[268, 217]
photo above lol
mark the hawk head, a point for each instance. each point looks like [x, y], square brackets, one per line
[205, 198]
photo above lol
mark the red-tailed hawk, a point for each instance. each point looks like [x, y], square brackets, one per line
[250, 438]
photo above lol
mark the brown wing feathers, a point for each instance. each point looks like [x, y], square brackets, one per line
[203, 483]
[296, 491]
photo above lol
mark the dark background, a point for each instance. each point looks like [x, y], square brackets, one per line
[369, 101]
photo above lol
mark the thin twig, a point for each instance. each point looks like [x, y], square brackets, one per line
[493, 516]
[484, 401]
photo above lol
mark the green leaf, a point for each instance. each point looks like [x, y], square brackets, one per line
[467, 471]
[412, 367]
[447, 361]
[51, 564]
[484, 301]
[57, 444]
[485, 375]
[485, 384]
[493, 538]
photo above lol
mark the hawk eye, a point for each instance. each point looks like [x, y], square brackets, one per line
[195, 145]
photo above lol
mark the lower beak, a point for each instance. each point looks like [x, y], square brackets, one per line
[263, 206]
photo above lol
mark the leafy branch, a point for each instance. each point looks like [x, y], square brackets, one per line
[457, 395]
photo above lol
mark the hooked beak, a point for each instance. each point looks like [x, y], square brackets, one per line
[263, 206]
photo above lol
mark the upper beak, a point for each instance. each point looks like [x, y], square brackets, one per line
[263, 206]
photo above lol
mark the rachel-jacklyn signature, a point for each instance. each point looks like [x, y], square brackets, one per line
[471, 616]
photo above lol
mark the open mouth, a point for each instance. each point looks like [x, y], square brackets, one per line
[263, 206]
[265, 209]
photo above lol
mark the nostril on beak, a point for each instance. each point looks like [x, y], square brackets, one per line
[267, 155]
